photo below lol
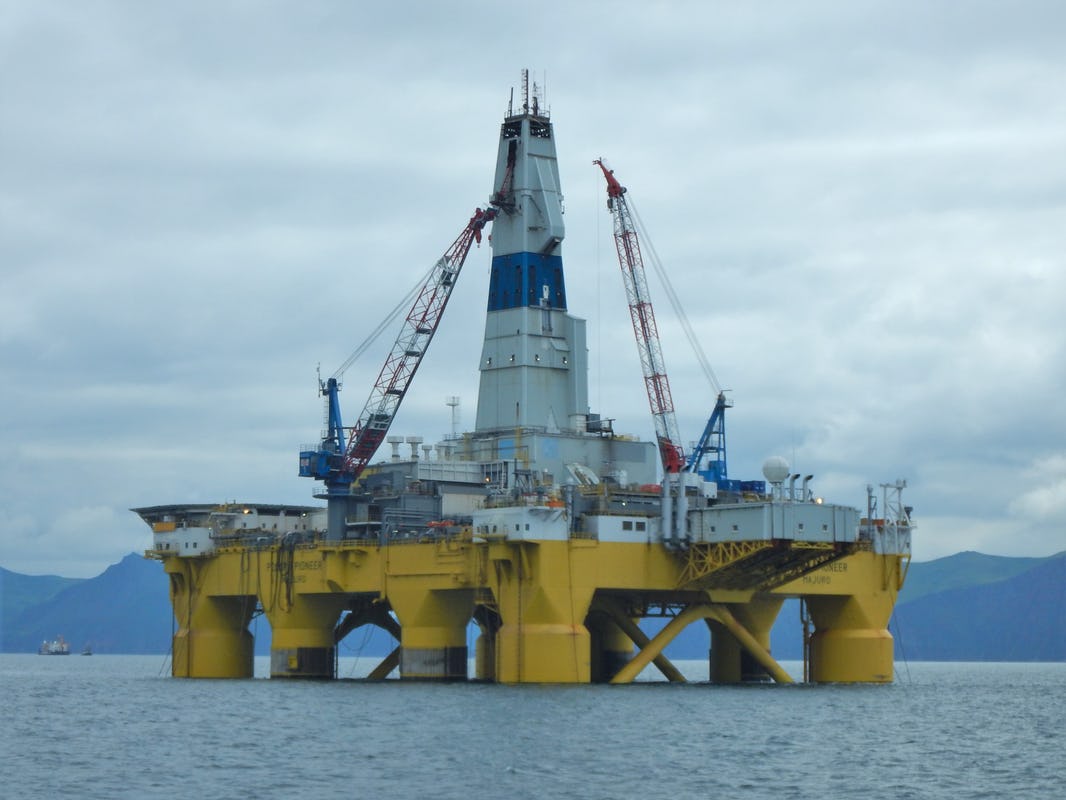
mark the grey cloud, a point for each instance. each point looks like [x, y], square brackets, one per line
[860, 206]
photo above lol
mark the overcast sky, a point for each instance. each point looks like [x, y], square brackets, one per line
[861, 204]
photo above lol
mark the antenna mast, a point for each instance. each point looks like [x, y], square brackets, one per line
[453, 403]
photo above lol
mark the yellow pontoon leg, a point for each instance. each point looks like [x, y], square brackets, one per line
[212, 640]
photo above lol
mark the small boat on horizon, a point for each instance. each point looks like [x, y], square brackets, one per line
[57, 647]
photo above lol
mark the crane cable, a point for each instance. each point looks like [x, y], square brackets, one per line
[675, 302]
[384, 325]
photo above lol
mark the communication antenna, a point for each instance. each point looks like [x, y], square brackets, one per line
[534, 96]
[453, 403]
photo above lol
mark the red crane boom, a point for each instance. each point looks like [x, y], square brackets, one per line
[643, 317]
[406, 355]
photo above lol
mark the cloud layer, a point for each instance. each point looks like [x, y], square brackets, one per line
[860, 206]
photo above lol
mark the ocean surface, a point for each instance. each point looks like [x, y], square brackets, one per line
[119, 726]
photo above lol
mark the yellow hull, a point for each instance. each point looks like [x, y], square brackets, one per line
[548, 611]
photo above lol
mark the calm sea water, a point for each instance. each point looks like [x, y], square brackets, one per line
[118, 726]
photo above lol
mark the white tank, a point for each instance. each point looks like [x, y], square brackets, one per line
[775, 469]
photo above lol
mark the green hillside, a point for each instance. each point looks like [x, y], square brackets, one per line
[961, 570]
[125, 609]
[20, 592]
[1021, 618]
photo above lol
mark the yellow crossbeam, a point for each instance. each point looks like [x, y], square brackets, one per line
[682, 621]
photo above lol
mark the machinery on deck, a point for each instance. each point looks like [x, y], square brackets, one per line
[543, 526]
[704, 471]
[338, 462]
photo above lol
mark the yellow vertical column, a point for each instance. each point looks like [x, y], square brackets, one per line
[543, 638]
[485, 647]
[485, 656]
[611, 648]
[851, 642]
[433, 625]
[729, 662]
[212, 639]
[303, 643]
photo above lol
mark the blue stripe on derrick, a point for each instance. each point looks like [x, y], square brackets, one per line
[518, 280]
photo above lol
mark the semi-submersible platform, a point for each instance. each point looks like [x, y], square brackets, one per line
[550, 531]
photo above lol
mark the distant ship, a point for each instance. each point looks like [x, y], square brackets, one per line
[58, 647]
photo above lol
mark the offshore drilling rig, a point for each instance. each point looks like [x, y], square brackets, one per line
[545, 527]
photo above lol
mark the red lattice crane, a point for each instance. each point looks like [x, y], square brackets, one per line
[643, 317]
[339, 463]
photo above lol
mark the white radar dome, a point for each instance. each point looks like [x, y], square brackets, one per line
[775, 469]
